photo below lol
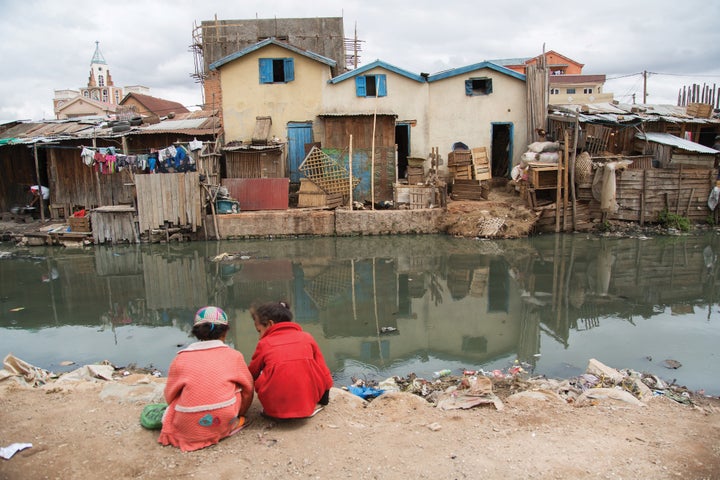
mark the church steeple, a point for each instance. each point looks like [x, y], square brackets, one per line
[98, 56]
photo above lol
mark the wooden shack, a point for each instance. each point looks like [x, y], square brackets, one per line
[670, 151]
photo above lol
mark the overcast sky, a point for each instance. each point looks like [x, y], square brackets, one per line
[48, 44]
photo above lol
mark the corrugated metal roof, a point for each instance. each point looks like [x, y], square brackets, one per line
[176, 124]
[192, 123]
[625, 113]
[677, 142]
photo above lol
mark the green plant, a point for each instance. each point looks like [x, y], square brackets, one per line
[672, 220]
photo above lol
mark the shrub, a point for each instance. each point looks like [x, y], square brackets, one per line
[673, 220]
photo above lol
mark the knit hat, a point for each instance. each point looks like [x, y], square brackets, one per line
[211, 315]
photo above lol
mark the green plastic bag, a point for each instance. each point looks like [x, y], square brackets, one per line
[152, 415]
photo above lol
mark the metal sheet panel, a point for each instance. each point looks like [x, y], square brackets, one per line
[259, 193]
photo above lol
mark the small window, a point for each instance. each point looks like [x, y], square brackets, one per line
[570, 91]
[101, 81]
[371, 86]
[277, 70]
[117, 96]
[478, 86]
[105, 95]
[587, 91]
[554, 91]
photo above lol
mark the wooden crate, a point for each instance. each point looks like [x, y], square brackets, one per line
[311, 195]
[461, 172]
[542, 177]
[481, 163]
[459, 157]
[415, 175]
[79, 224]
[414, 195]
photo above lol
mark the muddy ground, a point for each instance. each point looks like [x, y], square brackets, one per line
[91, 430]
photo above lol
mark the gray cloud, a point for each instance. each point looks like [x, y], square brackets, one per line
[48, 44]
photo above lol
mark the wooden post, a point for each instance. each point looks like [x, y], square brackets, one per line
[572, 170]
[642, 198]
[558, 192]
[565, 178]
[39, 183]
[372, 155]
[350, 165]
[679, 181]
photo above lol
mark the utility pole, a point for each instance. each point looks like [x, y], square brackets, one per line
[644, 87]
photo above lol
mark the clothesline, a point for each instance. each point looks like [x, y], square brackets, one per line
[107, 160]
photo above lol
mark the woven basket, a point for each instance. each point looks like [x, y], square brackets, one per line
[583, 169]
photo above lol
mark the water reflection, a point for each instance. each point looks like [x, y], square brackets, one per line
[381, 306]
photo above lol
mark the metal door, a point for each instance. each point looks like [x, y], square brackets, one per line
[299, 134]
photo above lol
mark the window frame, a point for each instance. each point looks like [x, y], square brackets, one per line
[478, 86]
[269, 70]
[379, 85]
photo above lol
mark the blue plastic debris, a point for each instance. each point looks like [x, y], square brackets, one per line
[366, 392]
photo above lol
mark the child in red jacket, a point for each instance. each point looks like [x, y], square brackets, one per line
[291, 377]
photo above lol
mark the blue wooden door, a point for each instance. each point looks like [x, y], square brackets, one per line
[299, 134]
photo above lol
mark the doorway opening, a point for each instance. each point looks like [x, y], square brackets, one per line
[501, 149]
[402, 143]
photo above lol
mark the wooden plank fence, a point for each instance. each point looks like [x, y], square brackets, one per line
[167, 199]
[643, 194]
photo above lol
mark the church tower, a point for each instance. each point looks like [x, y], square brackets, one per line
[100, 86]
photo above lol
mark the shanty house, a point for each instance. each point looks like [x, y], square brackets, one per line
[380, 99]
[480, 105]
[670, 151]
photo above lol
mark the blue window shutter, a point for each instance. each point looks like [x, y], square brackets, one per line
[489, 86]
[381, 85]
[468, 87]
[289, 66]
[360, 90]
[266, 71]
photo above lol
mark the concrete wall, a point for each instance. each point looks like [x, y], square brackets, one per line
[455, 116]
[385, 222]
[244, 98]
[299, 222]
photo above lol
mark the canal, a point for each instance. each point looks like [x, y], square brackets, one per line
[381, 306]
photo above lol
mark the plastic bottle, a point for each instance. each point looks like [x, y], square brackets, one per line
[443, 373]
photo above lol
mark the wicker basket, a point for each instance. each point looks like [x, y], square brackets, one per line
[583, 169]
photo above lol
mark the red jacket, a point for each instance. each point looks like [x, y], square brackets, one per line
[289, 371]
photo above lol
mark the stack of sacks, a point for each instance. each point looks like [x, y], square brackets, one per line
[544, 152]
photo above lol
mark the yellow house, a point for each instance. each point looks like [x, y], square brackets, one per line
[276, 80]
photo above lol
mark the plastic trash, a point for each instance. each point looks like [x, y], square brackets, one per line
[443, 373]
[365, 392]
[10, 450]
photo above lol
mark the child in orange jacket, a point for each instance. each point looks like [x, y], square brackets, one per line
[291, 377]
[209, 387]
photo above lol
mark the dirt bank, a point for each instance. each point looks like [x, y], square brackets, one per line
[90, 429]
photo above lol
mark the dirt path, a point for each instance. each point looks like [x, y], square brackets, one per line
[91, 430]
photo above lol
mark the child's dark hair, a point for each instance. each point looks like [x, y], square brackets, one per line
[276, 311]
[208, 331]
